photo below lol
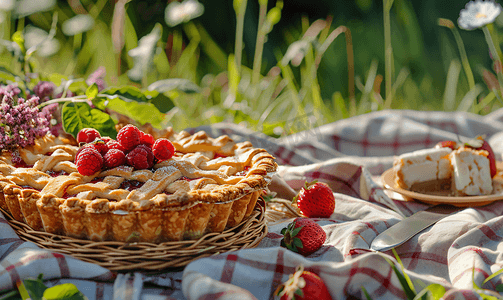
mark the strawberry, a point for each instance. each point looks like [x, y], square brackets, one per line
[303, 285]
[315, 200]
[447, 144]
[479, 143]
[303, 236]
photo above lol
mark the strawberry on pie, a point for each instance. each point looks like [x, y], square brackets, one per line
[138, 187]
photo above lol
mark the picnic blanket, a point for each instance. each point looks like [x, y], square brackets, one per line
[459, 251]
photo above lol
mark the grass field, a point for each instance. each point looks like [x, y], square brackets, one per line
[257, 63]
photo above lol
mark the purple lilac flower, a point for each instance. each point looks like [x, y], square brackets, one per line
[20, 120]
[97, 77]
[44, 90]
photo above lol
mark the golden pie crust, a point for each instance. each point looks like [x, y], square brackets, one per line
[209, 185]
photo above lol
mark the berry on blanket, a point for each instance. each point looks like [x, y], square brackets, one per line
[315, 200]
[303, 285]
[303, 236]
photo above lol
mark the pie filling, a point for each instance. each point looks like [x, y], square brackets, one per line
[207, 186]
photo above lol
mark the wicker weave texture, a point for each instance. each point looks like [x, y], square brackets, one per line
[149, 257]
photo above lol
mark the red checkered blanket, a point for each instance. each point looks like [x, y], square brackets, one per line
[458, 251]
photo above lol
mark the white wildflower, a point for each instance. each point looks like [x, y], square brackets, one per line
[478, 13]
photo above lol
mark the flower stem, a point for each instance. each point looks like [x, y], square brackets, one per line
[81, 98]
[350, 58]
[495, 55]
[240, 8]
[464, 57]
[259, 46]
[388, 53]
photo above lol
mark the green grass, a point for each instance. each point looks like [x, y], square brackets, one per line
[246, 88]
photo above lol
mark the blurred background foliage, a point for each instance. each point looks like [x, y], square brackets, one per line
[315, 87]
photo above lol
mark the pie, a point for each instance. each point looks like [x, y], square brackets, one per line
[209, 184]
[464, 171]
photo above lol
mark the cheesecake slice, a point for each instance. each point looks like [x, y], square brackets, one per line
[423, 169]
[471, 172]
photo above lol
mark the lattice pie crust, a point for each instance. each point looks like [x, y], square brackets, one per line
[209, 185]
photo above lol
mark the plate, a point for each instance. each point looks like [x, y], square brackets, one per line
[463, 201]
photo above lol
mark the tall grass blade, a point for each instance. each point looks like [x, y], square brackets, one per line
[350, 58]
[495, 274]
[409, 293]
[210, 47]
[366, 293]
[388, 53]
[339, 105]
[409, 282]
[240, 8]
[470, 98]
[433, 291]
[495, 53]
[451, 85]
[477, 108]
[461, 47]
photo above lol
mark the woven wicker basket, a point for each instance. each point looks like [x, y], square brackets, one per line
[149, 257]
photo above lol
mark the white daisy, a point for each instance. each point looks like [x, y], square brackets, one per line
[478, 13]
[177, 12]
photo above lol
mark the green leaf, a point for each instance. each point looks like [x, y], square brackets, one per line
[129, 92]
[66, 291]
[403, 282]
[161, 63]
[22, 290]
[367, 295]
[35, 288]
[18, 38]
[77, 86]
[492, 275]
[99, 103]
[299, 292]
[6, 75]
[409, 282]
[435, 290]
[132, 93]
[57, 78]
[92, 91]
[77, 116]
[297, 243]
[141, 112]
[180, 84]
[296, 230]
[161, 101]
